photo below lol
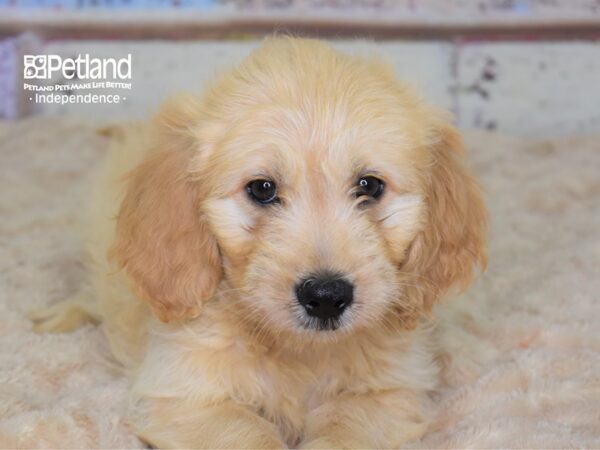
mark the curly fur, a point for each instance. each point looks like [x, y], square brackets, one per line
[227, 363]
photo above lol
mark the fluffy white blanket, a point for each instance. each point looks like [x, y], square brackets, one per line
[526, 337]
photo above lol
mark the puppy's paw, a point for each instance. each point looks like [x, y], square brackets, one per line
[65, 316]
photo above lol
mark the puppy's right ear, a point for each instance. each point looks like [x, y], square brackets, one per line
[161, 240]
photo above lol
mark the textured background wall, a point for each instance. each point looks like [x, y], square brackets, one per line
[531, 89]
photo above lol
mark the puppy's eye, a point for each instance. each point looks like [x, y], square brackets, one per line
[262, 191]
[370, 187]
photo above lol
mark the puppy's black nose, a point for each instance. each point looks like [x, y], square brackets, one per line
[325, 296]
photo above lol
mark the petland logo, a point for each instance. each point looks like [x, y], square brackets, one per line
[44, 67]
[81, 80]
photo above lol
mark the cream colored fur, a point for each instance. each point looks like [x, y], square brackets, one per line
[202, 383]
[194, 283]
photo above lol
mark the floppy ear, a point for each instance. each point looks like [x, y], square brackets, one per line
[161, 240]
[446, 253]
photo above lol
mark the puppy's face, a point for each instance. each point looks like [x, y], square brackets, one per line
[327, 196]
[313, 211]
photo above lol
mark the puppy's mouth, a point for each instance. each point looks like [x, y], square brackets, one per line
[317, 324]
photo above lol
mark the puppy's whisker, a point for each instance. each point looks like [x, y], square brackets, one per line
[260, 326]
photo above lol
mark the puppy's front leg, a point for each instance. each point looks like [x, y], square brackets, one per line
[179, 423]
[386, 419]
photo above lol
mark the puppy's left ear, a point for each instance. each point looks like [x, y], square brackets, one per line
[453, 244]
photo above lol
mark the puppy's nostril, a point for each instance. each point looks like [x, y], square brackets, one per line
[340, 304]
[311, 305]
[307, 283]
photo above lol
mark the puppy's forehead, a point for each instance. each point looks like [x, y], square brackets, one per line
[289, 138]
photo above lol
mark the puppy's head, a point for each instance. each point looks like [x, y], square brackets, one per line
[315, 186]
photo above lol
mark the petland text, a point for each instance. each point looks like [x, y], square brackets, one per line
[83, 67]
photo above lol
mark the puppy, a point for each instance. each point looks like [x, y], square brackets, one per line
[277, 250]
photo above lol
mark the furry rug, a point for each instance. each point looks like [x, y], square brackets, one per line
[526, 338]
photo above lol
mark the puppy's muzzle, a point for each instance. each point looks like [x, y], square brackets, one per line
[325, 296]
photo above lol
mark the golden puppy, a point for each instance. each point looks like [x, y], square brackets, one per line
[277, 249]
